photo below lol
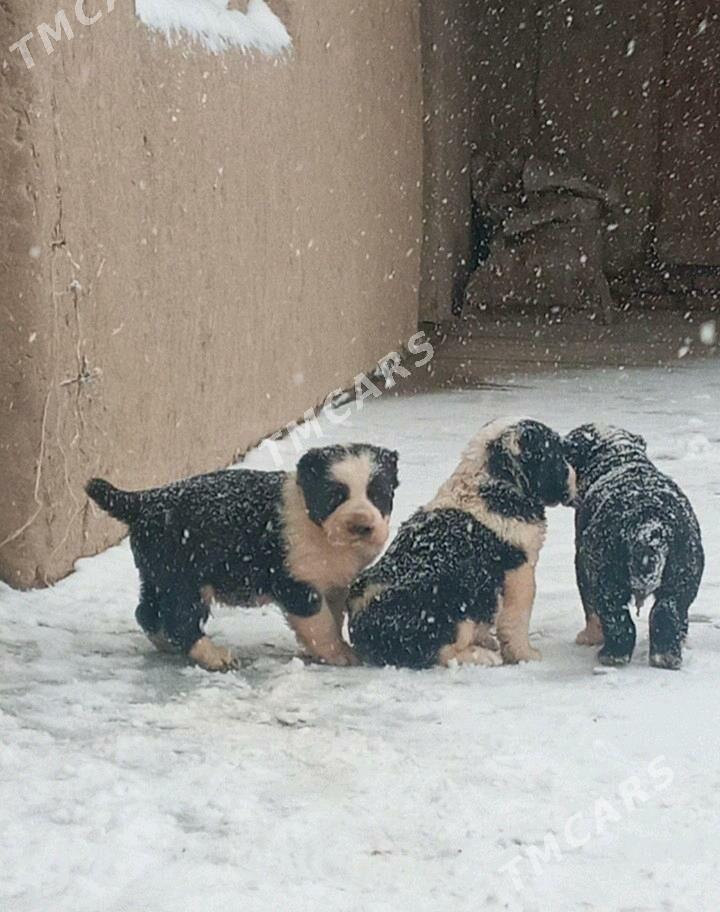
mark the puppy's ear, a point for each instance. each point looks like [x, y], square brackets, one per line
[384, 479]
[578, 444]
[503, 458]
[387, 462]
[311, 468]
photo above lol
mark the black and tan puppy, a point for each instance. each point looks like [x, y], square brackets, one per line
[244, 537]
[432, 598]
[636, 535]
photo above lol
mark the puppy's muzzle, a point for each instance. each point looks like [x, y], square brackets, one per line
[366, 529]
[360, 525]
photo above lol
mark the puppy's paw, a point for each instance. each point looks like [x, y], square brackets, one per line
[671, 660]
[450, 656]
[592, 635]
[211, 657]
[338, 654]
[480, 655]
[513, 655]
[162, 643]
[485, 639]
[611, 660]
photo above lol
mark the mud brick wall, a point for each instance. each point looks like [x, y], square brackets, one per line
[196, 250]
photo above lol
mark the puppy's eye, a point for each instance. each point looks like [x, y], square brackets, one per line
[380, 493]
[337, 494]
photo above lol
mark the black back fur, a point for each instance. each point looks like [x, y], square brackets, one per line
[636, 535]
[225, 530]
[446, 565]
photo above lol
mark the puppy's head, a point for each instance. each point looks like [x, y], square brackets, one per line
[349, 491]
[590, 443]
[529, 455]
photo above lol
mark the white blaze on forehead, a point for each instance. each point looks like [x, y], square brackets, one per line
[572, 483]
[355, 471]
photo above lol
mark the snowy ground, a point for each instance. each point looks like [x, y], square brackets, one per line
[132, 783]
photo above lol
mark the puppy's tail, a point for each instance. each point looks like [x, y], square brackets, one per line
[648, 556]
[122, 505]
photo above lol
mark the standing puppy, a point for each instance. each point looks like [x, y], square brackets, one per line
[244, 537]
[433, 596]
[635, 535]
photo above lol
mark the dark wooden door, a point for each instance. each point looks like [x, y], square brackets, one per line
[688, 229]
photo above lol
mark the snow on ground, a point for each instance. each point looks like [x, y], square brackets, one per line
[130, 782]
[214, 26]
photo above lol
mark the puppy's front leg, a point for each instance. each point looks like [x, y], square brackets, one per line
[337, 603]
[319, 634]
[513, 620]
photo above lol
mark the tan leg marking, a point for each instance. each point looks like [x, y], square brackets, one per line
[484, 638]
[211, 657]
[513, 620]
[319, 634]
[337, 603]
[465, 650]
[592, 635]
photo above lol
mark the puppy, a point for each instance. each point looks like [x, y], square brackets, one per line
[433, 596]
[244, 537]
[635, 535]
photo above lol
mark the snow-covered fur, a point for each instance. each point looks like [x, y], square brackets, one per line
[242, 536]
[434, 594]
[636, 535]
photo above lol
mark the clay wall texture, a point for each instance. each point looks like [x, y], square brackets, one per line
[197, 249]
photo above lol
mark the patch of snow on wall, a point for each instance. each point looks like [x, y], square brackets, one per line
[214, 26]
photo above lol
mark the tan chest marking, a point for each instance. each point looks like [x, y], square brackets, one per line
[459, 492]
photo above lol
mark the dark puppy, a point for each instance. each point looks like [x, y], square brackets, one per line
[435, 593]
[635, 535]
[243, 536]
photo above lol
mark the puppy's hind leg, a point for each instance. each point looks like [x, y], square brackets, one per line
[184, 613]
[147, 614]
[618, 628]
[592, 634]
[668, 629]
[465, 650]
[513, 620]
